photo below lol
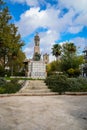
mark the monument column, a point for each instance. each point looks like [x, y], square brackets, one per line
[36, 47]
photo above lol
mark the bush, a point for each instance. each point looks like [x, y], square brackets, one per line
[74, 85]
[14, 81]
[77, 85]
[9, 87]
[19, 73]
[2, 90]
[57, 83]
[2, 71]
[60, 83]
[77, 72]
[2, 82]
[70, 72]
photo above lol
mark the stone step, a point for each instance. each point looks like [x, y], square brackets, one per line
[36, 94]
[35, 91]
[35, 88]
[37, 85]
[28, 87]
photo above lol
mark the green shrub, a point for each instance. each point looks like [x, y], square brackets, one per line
[74, 85]
[2, 82]
[71, 72]
[2, 71]
[2, 90]
[77, 85]
[57, 83]
[83, 82]
[77, 72]
[19, 73]
[60, 83]
[9, 87]
[14, 81]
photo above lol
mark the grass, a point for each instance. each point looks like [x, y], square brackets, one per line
[21, 78]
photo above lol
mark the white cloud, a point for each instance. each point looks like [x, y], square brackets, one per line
[34, 18]
[30, 3]
[77, 5]
[75, 29]
[80, 42]
[50, 19]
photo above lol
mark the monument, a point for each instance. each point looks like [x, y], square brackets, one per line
[36, 67]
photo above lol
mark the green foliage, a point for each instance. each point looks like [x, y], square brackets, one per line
[77, 72]
[2, 71]
[57, 83]
[61, 84]
[69, 62]
[71, 71]
[53, 67]
[2, 82]
[9, 87]
[56, 50]
[10, 41]
[77, 85]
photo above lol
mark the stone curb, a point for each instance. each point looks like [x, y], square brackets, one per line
[44, 94]
[26, 94]
[76, 93]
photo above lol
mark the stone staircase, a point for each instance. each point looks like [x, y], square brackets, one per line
[35, 88]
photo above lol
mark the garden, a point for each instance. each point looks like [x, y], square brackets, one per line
[11, 86]
[65, 74]
[61, 84]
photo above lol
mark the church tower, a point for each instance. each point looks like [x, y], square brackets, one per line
[36, 48]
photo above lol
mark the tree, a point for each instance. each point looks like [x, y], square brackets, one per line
[4, 30]
[69, 59]
[10, 40]
[56, 50]
[53, 67]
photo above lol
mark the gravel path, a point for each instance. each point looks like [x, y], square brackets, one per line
[43, 113]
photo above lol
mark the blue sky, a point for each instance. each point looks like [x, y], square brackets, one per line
[56, 21]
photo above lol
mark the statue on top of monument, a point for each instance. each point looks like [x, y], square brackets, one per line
[37, 39]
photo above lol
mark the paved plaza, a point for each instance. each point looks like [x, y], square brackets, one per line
[43, 113]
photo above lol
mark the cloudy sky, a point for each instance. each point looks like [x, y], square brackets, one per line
[56, 21]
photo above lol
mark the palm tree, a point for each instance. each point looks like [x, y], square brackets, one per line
[69, 47]
[56, 50]
[69, 50]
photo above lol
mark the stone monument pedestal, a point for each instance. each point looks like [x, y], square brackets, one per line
[37, 70]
